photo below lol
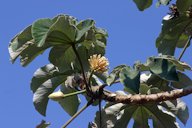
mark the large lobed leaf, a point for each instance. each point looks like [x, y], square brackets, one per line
[172, 31]
[60, 33]
[44, 82]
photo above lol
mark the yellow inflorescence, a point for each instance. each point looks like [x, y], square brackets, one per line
[98, 63]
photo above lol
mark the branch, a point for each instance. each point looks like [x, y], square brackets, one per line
[141, 99]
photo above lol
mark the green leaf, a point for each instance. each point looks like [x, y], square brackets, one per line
[163, 68]
[55, 31]
[83, 27]
[161, 118]
[115, 115]
[163, 2]
[126, 117]
[102, 76]
[169, 37]
[184, 81]
[114, 75]
[69, 104]
[183, 5]
[179, 65]
[23, 46]
[130, 78]
[144, 88]
[178, 108]
[182, 41]
[43, 124]
[141, 118]
[40, 30]
[141, 67]
[43, 74]
[40, 97]
[156, 82]
[63, 31]
[109, 116]
[143, 4]
[44, 82]
[20, 39]
[28, 52]
[62, 57]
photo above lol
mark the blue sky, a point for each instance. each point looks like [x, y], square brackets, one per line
[132, 36]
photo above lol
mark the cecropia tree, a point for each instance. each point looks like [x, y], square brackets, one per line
[152, 90]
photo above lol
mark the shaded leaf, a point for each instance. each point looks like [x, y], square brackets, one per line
[114, 75]
[126, 117]
[163, 68]
[69, 104]
[182, 41]
[43, 124]
[44, 82]
[143, 4]
[184, 81]
[157, 82]
[45, 73]
[161, 118]
[130, 78]
[62, 57]
[182, 66]
[183, 5]
[40, 97]
[83, 27]
[141, 118]
[141, 67]
[172, 29]
[178, 108]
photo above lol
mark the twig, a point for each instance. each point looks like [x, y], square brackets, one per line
[81, 65]
[76, 114]
[74, 93]
[100, 116]
[89, 82]
[185, 47]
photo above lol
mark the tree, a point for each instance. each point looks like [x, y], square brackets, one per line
[77, 65]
